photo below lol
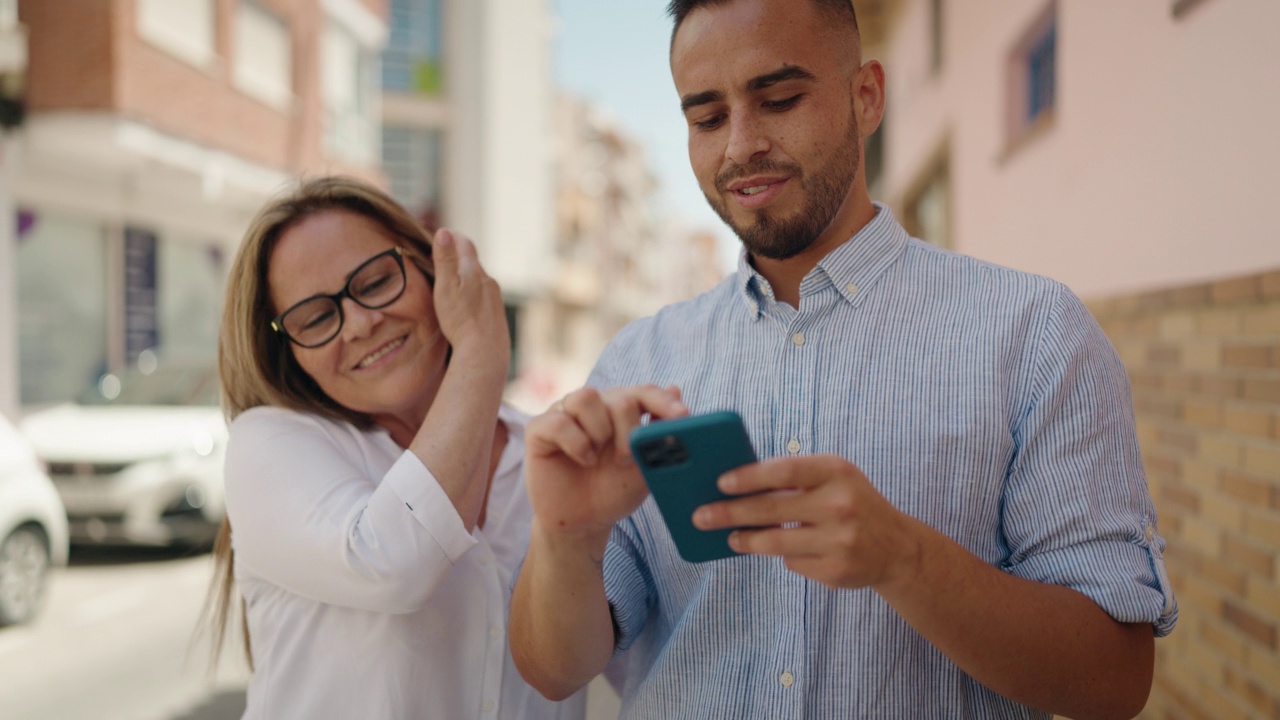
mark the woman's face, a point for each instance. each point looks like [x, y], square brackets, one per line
[386, 362]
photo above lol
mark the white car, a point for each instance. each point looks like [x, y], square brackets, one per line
[33, 528]
[138, 460]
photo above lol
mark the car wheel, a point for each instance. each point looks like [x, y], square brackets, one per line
[24, 567]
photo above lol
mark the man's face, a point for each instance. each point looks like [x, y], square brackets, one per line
[767, 91]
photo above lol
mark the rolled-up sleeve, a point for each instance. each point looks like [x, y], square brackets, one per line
[1077, 510]
[625, 584]
[306, 516]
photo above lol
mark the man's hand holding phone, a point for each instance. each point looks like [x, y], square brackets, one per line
[823, 517]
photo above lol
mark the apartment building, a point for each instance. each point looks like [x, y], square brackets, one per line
[616, 258]
[1129, 150]
[153, 130]
[467, 137]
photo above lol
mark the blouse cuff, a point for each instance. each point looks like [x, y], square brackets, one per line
[429, 505]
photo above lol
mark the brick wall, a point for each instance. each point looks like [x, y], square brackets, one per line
[1204, 362]
[88, 55]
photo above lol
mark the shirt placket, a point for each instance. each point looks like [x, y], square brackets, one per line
[494, 654]
[798, 376]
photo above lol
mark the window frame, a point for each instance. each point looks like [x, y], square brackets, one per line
[256, 85]
[172, 41]
[1020, 127]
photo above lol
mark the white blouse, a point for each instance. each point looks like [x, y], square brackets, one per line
[366, 596]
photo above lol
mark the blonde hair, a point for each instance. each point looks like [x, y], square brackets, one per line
[256, 364]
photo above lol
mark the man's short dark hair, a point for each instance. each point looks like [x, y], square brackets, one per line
[840, 11]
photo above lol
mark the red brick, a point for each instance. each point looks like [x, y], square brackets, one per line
[1219, 386]
[1250, 555]
[1225, 577]
[1219, 323]
[1202, 413]
[1255, 627]
[1269, 283]
[1261, 322]
[1251, 692]
[1261, 390]
[1236, 290]
[1255, 421]
[1263, 526]
[1163, 354]
[1263, 459]
[87, 55]
[1249, 490]
[1162, 407]
[1246, 356]
[1177, 382]
[1163, 468]
[1181, 442]
[1182, 497]
[1226, 641]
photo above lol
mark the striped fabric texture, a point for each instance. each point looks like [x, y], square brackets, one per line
[984, 401]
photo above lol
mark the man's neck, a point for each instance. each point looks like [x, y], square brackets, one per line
[785, 276]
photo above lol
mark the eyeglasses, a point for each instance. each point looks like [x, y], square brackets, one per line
[378, 282]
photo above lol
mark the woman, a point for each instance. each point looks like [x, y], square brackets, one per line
[372, 474]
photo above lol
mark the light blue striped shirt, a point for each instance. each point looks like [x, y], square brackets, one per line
[984, 401]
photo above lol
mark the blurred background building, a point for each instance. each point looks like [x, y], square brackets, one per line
[615, 258]
[1129, 150]
[152, 131]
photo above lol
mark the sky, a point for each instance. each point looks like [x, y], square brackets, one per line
[614, 54]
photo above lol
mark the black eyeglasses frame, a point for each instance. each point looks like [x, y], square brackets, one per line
[277, 323]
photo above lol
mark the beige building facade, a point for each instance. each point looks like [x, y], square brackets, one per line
[1128, 149]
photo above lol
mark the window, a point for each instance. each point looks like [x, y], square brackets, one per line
[411, 158]
[8, 14]
[935, 37]
[1182, 7]
[928, 205]
[189, 299]
[411, 62]
[182, 28]
[263, 63]
[350, 74]
[1033, 79]
[62, 305]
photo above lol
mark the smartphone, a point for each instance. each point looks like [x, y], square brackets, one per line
[681, 460]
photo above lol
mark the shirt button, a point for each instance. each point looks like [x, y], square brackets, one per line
[853, 289]
[489, 706]
[484, 559]
[793, 447]
[495, 632]
[1151, 533]
[787, 679]
[798, 339]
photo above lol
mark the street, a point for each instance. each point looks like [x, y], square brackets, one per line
[115, 642]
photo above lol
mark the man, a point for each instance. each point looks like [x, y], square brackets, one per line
[951, 518]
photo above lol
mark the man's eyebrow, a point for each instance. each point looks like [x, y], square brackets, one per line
[790, 72]
[702, 98]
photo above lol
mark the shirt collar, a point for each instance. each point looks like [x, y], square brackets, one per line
[852, 268]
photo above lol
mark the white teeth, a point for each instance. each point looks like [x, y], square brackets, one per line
[754, 190]
[380, 352]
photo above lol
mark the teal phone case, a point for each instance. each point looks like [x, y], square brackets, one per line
[681, 460]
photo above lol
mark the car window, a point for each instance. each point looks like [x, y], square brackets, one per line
[173, 385]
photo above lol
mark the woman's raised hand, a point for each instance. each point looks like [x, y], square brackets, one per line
[468, 302]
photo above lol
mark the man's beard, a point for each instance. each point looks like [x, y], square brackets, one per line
[824, 193]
